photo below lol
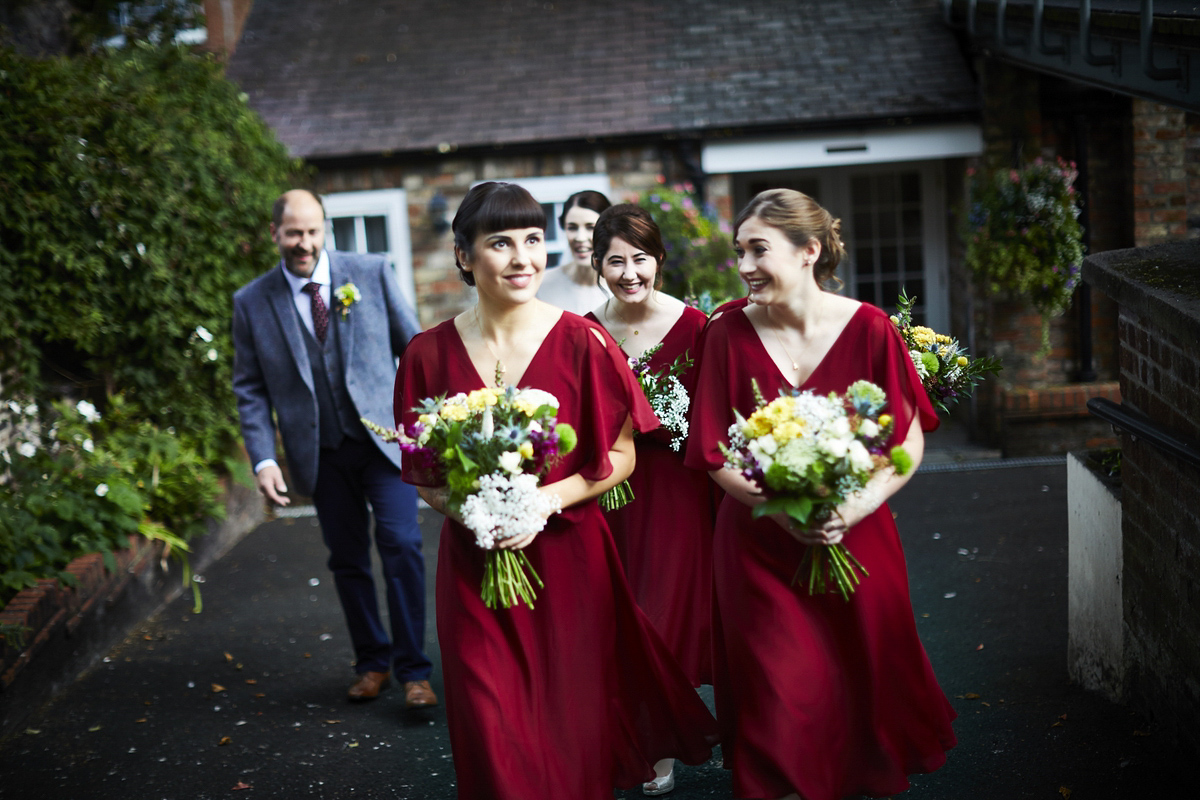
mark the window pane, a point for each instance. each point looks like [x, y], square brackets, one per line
[914, 264]
[343, 235]
[889, 261]
[890, 294]
[910, 188]
[551, 222]
[887, 222]
[864, 261]
[863, 227]
[860, 191]
[377, 241]
[866, 292]
[886, 189]
[910, 220]
[552, 259]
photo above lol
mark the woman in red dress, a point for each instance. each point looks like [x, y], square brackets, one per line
[579, 694]
[664, 536]
[818, 698]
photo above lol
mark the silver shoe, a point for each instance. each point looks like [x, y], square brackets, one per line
[660, 785]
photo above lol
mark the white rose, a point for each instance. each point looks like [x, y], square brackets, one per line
[768, 444]
[868, 428]
[835, 447]
[511, 461]
[860, 459]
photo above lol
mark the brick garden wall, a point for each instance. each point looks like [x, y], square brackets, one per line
[1158, 289]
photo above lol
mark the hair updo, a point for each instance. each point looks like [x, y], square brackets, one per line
[490, 207]
[634, 225]
[801, 219]
[589, 199]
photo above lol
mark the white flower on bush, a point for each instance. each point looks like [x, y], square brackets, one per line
[27, 449]
[14, 406]
[89, 446]
[4, 454]
[511, 461]
[212, 354]
[202, 333]
[31, 409]
[101, 489]
[87, 411]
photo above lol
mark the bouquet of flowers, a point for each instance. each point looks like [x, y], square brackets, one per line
[491, 447]
[808, 454]
[947, 372]
[670, 402]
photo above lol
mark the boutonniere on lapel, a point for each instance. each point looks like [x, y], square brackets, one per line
[347, 295]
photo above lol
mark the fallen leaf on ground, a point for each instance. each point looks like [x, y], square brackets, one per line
[237, 787]
[979, 648]
[971, 696]
[986, 703]
[93, 729]
[228, 657]
[308, 655]
[140, 721]
[224, 741]
[333, 722]
[216, 687]
[1062, 716]
[1064, 791]
[1058, 724]
[353, 744]
[251, 681]
[33, 731]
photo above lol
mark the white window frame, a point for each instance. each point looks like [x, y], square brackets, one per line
[556, 189]
[835, 196]
[392, 204]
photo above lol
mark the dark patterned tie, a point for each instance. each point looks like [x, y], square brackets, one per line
[319, 311]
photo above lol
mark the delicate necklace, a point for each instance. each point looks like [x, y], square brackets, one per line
[774, 330]
[500, 368]
[618, 316]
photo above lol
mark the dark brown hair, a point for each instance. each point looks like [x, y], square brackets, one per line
[801, 219]
[632, 224]
[593, 201]
[491, 207]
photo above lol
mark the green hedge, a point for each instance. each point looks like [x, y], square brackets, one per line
[135, 195]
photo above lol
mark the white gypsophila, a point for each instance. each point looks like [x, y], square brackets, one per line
[507, 506]
[538, 398]
[87, 411]
[922, 372]
[27, 449]
[671, 409]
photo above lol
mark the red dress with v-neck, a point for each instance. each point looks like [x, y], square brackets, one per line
[664, 536]
[815, 695]
[579, 694]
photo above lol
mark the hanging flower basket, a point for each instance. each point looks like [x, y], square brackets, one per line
[1023, 235]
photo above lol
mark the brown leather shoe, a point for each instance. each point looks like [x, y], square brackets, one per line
[419, 694]
[369, 685]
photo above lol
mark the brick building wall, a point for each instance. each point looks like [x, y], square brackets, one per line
[440, 293]
[1159, 327]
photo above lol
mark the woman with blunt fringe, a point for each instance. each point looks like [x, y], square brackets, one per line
[818, 697]
[573, 286]
[579, 694]
[665, 535]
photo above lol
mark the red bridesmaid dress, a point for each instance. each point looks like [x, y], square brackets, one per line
[578, 694]
[815, 695]
[664, 537]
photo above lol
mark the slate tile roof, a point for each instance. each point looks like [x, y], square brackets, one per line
[355, 77]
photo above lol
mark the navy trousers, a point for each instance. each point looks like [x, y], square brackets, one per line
[348, 478]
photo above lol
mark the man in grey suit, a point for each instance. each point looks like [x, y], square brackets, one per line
[315, 343]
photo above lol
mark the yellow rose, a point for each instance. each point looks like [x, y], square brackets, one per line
[923, 336]
[454, 412]
[526, 449]
[481, 399]
[962, 361]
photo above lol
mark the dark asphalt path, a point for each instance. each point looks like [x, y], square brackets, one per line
[250, 693]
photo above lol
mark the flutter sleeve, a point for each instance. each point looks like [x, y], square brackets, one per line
[712, 401]
[893, 371]
[416, 379]
[614, 396]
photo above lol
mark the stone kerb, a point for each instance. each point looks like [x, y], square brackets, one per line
[68, 629]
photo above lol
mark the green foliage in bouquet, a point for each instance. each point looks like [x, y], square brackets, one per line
[701, 267]
[1023, 234]
[135, 189]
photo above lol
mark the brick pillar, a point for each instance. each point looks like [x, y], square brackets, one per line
[1160, 173]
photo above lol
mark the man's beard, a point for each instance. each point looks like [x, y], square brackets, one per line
[290, 257]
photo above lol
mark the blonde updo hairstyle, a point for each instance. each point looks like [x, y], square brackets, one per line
[801, 219]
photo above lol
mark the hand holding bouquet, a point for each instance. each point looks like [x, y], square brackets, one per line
[808, 455]
[946, 371]
[490, 448]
